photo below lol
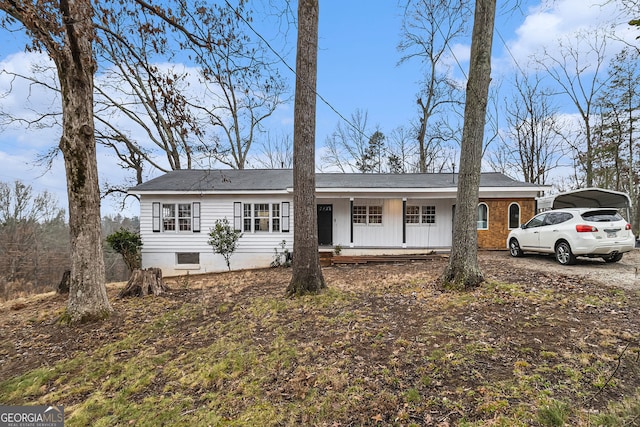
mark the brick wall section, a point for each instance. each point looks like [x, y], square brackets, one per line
[496, 236]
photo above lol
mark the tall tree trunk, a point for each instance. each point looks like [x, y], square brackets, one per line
[76, 66]
[307, 276]
[463, 271]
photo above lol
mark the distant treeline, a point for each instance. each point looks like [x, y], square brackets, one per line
[35, 245]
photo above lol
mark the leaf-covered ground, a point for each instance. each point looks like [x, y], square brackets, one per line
[383, 346]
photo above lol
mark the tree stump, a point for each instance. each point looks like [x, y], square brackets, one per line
[63, 286]
[144, 282]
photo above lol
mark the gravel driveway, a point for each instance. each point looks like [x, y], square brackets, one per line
[623, 274]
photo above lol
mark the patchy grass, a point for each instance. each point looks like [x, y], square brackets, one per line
[382, 346]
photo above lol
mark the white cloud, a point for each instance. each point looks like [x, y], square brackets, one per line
[547, 23]
[22, 96]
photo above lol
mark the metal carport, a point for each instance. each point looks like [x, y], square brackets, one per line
[587, 198]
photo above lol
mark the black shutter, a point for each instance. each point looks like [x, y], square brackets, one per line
[237, 216]
[404, 221]
[196, 217]
[285, 217]
[155, 212]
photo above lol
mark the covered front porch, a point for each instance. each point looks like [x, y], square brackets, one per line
[384, 225]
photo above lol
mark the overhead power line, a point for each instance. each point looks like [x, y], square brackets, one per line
[284, 61]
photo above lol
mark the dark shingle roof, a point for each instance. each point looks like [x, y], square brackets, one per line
[282, 179]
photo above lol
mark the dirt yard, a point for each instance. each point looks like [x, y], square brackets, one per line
[624, 274]
[383, 346]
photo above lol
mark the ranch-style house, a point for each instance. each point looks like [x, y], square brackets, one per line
[364, 214]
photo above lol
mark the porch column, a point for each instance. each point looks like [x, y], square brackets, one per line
[351, 221]
[404, 222]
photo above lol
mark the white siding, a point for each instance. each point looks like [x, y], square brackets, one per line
[257, 249]
[341, 221]
[254, 250]
[436, 235]
[387, 234]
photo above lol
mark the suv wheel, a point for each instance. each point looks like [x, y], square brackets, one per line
[514, 248]
[612, 258]
[564, 255]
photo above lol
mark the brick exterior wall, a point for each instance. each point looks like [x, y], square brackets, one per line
[496, 235]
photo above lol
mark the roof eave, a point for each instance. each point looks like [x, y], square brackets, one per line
[203, 192]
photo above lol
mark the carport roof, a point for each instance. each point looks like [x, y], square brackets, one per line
[586, 198]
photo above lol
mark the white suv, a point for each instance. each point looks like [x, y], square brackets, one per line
[567, 233]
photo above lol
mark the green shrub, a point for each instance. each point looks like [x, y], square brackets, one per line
[127, 243]
[224, 240]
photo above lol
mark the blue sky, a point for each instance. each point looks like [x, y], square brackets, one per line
[356, 70]
[357, 63]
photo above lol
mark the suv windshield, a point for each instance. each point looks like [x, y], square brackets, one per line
[602, 216]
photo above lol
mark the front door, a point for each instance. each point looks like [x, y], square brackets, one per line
[325, 225]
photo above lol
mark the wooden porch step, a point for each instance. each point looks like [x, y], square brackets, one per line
[325, 258]
[365, 259]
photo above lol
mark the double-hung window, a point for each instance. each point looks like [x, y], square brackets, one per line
[367, 214]
[176, 217]
[412, 216]
[359, 214]
[184, 216]
[168, 217]
[428, 214]
[275, 217]
[420, 215]
[263, 217]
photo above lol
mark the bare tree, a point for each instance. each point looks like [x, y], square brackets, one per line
[239, 84]
[307, 275]
[151, 114]
[629, 13]
[402, 153]
[463, 270]
[531, 147]
[346, 148]
[577, 69]
[65, 30]
[275, 153]
[22, 216]
[136, 94]
[428, 31]
[242, 93]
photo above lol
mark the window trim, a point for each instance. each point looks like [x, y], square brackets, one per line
[169, 220]
[509, 225]
[367, 215]
[184, 217]
[258, 219]
[421, 214]
[478, 216]
[178, 254]
[241, 219]
[415, 216]
[424, 214]
[359, 211]
[158, 218]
